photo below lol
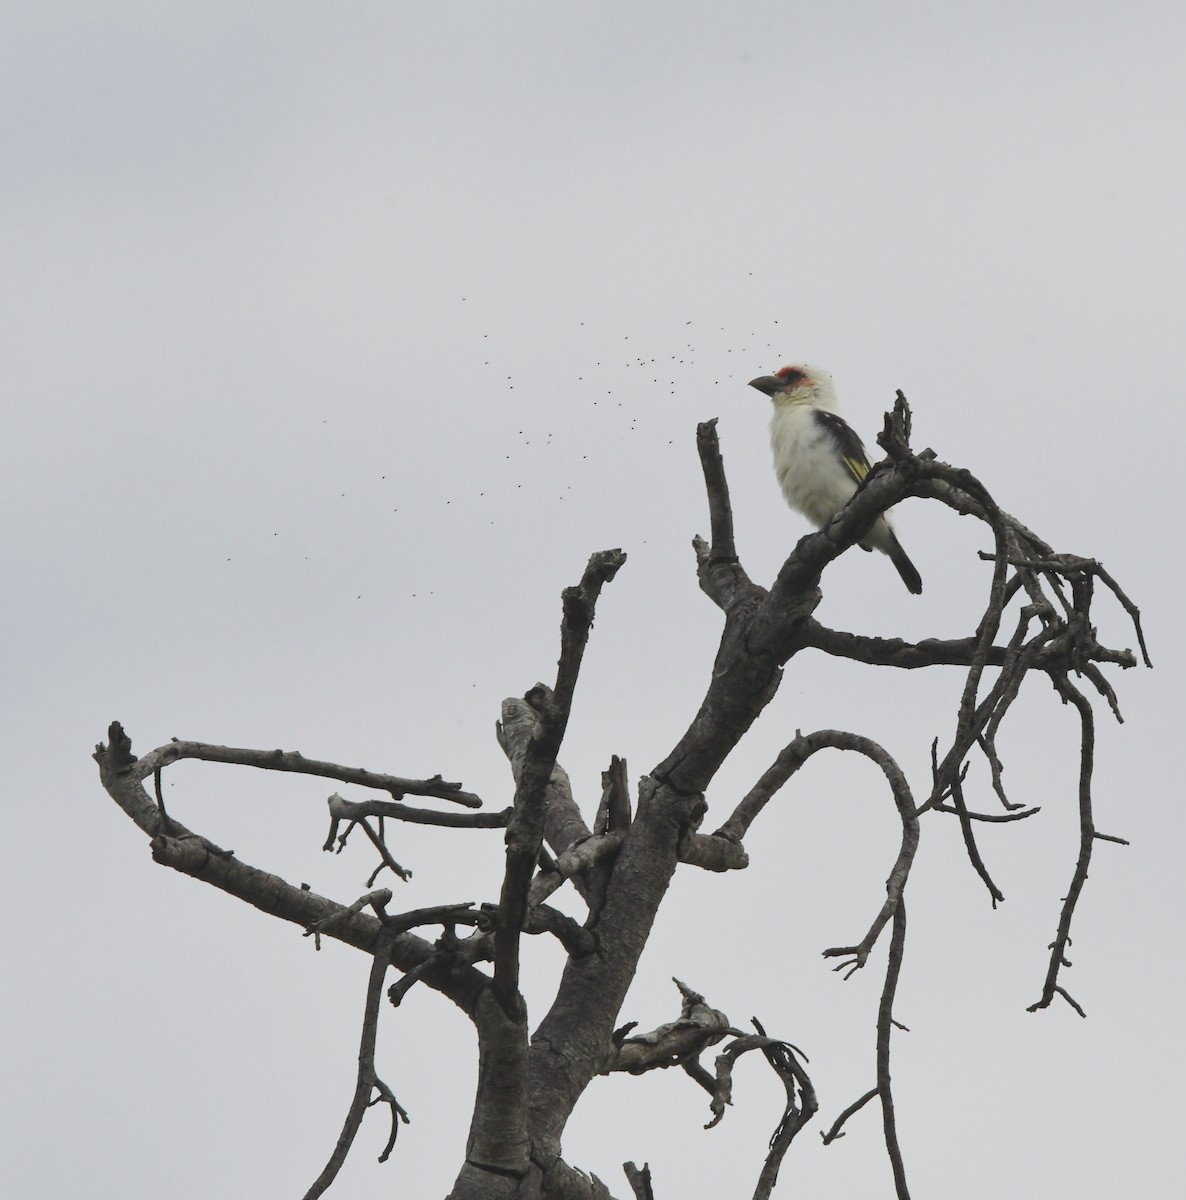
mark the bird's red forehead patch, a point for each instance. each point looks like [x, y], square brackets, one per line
[790, 374]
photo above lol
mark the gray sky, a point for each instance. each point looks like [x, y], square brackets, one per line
[336, 338]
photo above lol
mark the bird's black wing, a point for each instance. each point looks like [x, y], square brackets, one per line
[852, 450]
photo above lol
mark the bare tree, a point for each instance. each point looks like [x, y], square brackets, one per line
[622, 864]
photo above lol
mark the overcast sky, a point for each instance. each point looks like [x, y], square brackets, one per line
[336, 338]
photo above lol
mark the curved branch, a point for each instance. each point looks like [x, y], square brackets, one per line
[1017, 814]
[789, 760]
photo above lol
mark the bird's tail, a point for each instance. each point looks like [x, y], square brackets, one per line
[909, 572]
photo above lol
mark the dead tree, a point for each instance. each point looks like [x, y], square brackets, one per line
[1037, 621]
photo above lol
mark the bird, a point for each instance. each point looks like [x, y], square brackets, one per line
[819, 459]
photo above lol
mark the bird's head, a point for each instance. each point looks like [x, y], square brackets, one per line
[799, 384]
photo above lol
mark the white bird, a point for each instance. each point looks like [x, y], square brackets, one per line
[818, 458]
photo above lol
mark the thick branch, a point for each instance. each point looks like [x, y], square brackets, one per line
[525, 832]
[937, 652]
[640, 1180]
[697, 1027]
[498, 1141]
[710, 852]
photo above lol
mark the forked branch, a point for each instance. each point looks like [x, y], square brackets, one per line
[367, 1080]
[801, 1102]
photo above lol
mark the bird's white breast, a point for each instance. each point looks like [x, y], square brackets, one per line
[810, 473]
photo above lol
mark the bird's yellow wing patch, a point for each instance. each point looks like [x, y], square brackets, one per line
[851, 451]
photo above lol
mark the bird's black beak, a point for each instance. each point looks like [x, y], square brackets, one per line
[766, 383]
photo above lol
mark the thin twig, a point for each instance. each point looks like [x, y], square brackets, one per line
[1062, 938]
[885, 1022]
[384, 853]
[1016, 814]
[837, 1130]
[956, 792]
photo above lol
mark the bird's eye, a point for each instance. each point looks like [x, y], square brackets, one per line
[790, 375]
